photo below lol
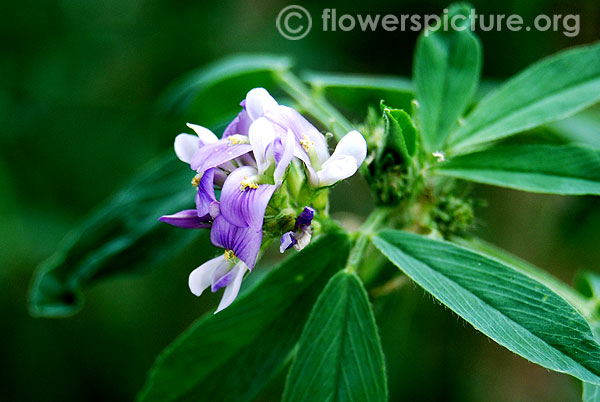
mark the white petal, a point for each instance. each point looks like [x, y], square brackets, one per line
[353, 144]
[185, 147]
[303, 239]
[349, 154]
[259, 101]
[261, 134]
[338, 167]
[232, 290]
[206, 136]
[201, 277]
[288, 153]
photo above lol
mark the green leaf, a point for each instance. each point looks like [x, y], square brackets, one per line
[232, 355]
[339, 356]
[446, 72]
[556, 285]
[353, 92]
[549, 90]
[400, 134]
[539, 168]
[588, 284]
[591, 393]
[212, 93]
[510, 307]
[582, 128]
[123, 236]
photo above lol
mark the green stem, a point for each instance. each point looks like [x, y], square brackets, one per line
[372, 223]
[316, 105]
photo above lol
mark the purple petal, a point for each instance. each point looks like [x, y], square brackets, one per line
[212, 155]
[243, 241]
[287, 118]
[245, 207]
[239, 125]
[246, 160]
[287, 241]
[222, 276]
[205, 196]
[220, 176]
[305, 218]
[188, 219]
[276, 149]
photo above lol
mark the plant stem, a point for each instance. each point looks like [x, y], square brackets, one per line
[314, 104]
[372, 223]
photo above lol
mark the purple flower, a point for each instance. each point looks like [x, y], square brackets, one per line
[273, 152]
[305, 218]
[207, 151]
[243, 199]
[302, 234]
[187, 219]
[243, 242]
[311, 148]
[223, 271]
[206, 202]
[248, 165]
[241, 245]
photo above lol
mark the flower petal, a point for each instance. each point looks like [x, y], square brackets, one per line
[305, 217]
[217, 153]
[222, 277]
[258, 102]
[244, 241]
[287, 241]
[204, 134]
[287, 118]
[232, 290]
[335, 169]
[187, 219]
[205, 196]
[303, 237]
[186, 146]
[239, 125]
[349, 154]
[353, 144]
[201, 277]
[261, 135]
[245, 206]
[285, 158]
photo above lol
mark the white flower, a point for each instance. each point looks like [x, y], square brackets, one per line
[349, 154]
[222, 271]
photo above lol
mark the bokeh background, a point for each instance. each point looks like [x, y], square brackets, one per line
[79, 81]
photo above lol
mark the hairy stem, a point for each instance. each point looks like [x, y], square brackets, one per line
[373, 222]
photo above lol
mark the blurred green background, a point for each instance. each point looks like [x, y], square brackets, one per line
[79, 83]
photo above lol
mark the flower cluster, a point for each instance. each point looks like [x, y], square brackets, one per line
[250, 165]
